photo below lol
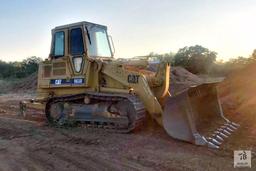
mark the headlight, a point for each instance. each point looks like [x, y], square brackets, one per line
[78, 61]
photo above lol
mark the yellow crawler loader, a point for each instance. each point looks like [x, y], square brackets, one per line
[82, 82]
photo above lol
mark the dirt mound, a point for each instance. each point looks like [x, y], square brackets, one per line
[238, 97]
[239, 87]
[181, 78]
[28, 84]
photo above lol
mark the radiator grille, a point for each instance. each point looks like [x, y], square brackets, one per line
[61, 71]
[47, 71]
[59, 68]
[59, 65]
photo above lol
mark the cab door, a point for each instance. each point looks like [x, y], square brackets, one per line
[77, 56]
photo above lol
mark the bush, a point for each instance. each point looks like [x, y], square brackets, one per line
[200, 60]
[19, 69]
[197, 59]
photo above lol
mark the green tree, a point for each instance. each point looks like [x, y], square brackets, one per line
[19, 69]
[197, 59]
[7, 69]
[29, 66]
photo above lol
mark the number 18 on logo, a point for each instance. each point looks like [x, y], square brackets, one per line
[242, 158]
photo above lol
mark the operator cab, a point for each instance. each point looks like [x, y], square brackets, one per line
[81, 39]
[73, 48]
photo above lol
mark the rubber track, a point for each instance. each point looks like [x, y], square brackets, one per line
[138, 106]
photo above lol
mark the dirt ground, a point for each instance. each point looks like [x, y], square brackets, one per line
[34, 145]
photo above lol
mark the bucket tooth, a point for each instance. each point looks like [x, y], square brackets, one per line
[218, 137]
[231, 126]
[224, 131]
[221, 134]
[200, 140]
[214, 141]
[211, 145]
[235, 124]
[229, 129]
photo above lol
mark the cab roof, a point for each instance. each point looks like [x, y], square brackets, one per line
[78, 24]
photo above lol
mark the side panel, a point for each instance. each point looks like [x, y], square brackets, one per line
[138, 84]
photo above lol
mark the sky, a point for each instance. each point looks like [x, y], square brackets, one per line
[137, 27]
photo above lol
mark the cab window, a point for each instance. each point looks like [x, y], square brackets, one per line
[59, 44]
[98, 42]
[76, 42]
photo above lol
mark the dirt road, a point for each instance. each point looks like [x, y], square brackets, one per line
[32, 145]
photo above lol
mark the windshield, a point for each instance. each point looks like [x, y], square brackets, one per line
[98, 44]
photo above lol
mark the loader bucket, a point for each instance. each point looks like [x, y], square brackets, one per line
[195, 115]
